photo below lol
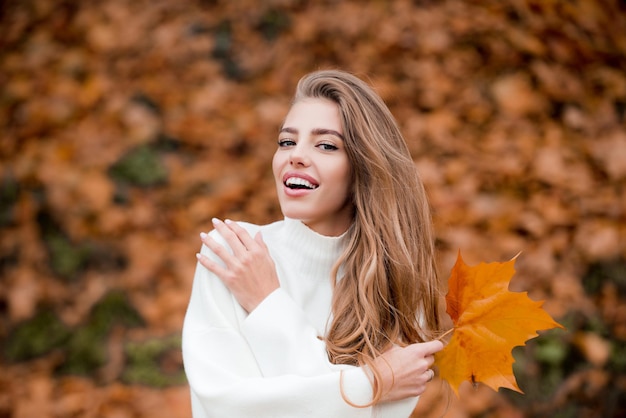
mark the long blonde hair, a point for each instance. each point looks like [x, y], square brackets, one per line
[388, 292]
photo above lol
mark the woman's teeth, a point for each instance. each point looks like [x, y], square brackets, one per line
[299, 183]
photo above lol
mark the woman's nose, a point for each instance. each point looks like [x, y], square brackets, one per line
[299, 156]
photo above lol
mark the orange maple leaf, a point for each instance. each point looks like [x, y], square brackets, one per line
[489, 321]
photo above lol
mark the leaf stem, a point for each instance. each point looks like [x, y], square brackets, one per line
[451, 330]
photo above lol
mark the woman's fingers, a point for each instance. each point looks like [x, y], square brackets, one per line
[218, 249]
[237, 238]
[211, 265]
[244, 266]
[430, 347]
[405, 371]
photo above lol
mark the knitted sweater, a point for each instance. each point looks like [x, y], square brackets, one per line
[271, 362]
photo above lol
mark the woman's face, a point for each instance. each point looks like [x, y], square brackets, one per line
[311, 168]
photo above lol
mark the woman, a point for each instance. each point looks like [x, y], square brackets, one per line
[325, 313]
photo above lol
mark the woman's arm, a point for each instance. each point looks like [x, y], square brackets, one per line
[277, 329]
[282, 339]
[224, 376]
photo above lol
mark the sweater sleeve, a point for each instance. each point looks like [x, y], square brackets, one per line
[225, 378]
[282, 339]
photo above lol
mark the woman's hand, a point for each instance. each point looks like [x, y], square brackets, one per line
[249, 272]
[405, 371]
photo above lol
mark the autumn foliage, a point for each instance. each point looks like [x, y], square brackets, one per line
[489, 321]
[126, 125]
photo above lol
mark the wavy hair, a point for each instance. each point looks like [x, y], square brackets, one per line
[388, 292]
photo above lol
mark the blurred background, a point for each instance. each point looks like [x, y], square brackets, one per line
[126, 125]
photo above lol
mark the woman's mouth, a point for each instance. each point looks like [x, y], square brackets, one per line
[299, 184]
[296, 183]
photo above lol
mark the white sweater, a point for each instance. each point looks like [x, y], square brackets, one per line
[271, 363]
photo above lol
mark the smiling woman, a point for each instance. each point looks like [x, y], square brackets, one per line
[311, 168]
[327, 312]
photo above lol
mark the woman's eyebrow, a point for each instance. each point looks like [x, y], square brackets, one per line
[316, 132]
[288, 130]
[323, 131]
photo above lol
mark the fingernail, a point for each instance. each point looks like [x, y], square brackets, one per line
[198, 256]
[228, 221]
[203, 235]
[215, 221]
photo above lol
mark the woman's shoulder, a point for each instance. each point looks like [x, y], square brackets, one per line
[265, 228]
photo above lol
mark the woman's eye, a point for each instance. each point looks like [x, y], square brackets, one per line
[327, 147]
[285, 143]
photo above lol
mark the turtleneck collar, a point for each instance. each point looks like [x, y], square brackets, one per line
[307, 249]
